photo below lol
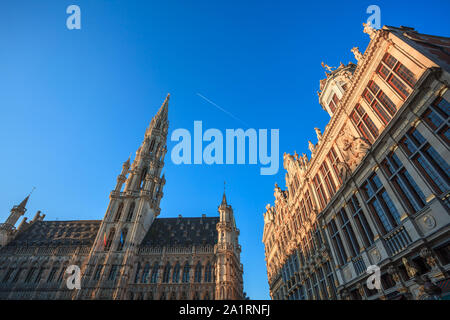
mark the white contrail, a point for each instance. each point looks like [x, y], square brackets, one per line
[222, 109]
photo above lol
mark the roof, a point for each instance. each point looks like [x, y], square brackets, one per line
[182, 232]
[56, 233]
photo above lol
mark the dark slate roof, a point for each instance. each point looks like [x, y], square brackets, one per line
[57, 233]
[182, 232]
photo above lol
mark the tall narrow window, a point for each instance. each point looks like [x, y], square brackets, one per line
[166, 274]
[430, 164]
[198, 272]
[361, 221]
[145, 273]
[7, 275]
[142, 180]
[122, 240]
[113, 272]
[410, 194]
[30, 275]
[186, 271]
[138, 270]
[380, 204]
[110, 238]
[51, 275]
[365, 125]
[337, 242]
[349, 234]
[98, 272]
[130, 212]
[155, 270]
[176, 273]
[333, 158]
[17, 275]
[208, 272]
[119, 212]
[437, 118]
[329, 182]
[319, 191]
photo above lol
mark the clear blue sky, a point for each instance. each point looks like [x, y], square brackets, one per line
[74, 104]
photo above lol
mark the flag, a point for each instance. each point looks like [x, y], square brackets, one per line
[121, 238]
[104, 238]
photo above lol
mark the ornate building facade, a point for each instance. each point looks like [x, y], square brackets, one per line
[375, 190]
[130, 253]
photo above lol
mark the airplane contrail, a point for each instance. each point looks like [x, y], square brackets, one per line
[222, 109]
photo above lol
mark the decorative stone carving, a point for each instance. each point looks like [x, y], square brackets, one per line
[353, 148]
[429, 258]
[319, 134]
[393, 271]
[428, 221]
[368, 29]
[311, 147]
[410, 266]
[357, 53]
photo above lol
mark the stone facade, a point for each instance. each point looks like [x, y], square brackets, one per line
[131, 253]
[375, 190]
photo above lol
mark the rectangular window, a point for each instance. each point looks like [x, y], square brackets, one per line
[409, 193]
[430, 164]
[364, 124]
[361, 221]
[51, 276]
[437, 118]
[98, 272]
[319, 191]
[337, 242]
[332, 157]
[113, 272]
[380, 204]
[326, 174]
[348, 232]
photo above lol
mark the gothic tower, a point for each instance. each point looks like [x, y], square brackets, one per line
[7, 228]
[129, 215]
[229, 283]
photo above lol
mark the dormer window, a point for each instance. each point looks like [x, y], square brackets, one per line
[333, 103]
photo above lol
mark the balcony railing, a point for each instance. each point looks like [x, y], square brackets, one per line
[397, 240]
[360, 266]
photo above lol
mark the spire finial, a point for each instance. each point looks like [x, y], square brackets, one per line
[224, 199]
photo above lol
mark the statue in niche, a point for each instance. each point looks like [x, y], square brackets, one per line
[353, 148]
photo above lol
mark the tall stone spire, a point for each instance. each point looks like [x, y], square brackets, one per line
[130, 213]
[229, 271]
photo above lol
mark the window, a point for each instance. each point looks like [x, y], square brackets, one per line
[17, 275]
[319, 191]
[98, 272]
[30, 275]
[348, 232]
[361, 221]
[392, 71]
[51, 275]
[136, 276]
[410, 194]
[208, 272]
[429, 163]
[113, 272]
[61, 274]
[337, 242]
[380, 102]
[365, 125]
[333, 103]
[145, 273]
[198, 272]
[437, 118]
[333, 158]
[7, 275]
[39, 275]
[110, 238]
[123, 238]
[186, 270]
[119, 212]
[142, 181]
[326, 174]
[166, 274]
[330, 278]
[380, 204]
[155, 270]
[130, 212]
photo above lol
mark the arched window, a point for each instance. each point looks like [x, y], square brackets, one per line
[186, 270]
[143, 174]
[176, 273]
[208, 272]
[166, 275]
[119, 212]
[123, 238]
[138, 269]
[130, 212]
[144, 278]
[155, 273]
[198, 272]
[110, 238]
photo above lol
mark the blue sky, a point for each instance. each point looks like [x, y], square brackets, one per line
[75, 103]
